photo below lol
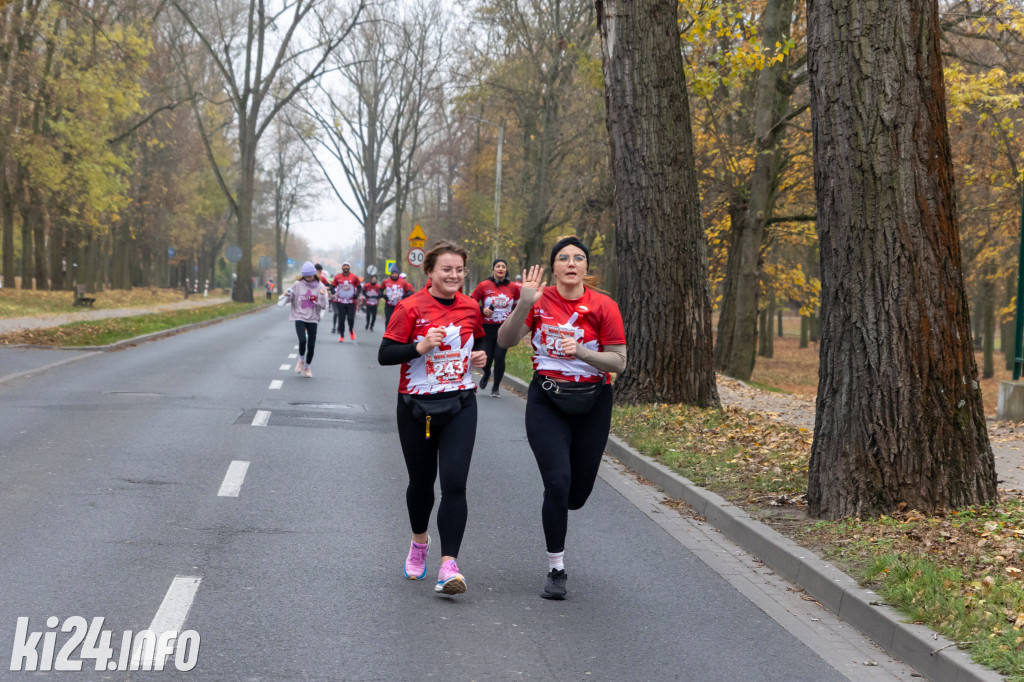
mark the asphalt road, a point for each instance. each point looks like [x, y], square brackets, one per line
[110, 472]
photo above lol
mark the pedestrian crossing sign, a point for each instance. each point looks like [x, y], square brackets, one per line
[417, 238]
[388, 264]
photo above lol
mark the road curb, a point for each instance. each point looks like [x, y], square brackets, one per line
[89, 351]
[925, 650]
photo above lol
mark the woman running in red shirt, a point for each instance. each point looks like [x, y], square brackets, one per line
[497, 296]
[435, 334]
[578, 338]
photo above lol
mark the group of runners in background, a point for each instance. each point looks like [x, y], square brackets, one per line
[438, 334]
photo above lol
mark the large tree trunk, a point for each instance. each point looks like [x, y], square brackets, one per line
[242, 291]
[770, 106]
[899, 416]
[7, 224]
[57, 253]
[39, 232]
[663, 267]
[26, 230]
[727, 311]
[1007, 327]
[988, 324]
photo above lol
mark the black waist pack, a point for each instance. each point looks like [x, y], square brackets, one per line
[570, 398]
[437, 412]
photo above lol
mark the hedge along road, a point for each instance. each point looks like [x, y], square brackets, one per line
[202, 457]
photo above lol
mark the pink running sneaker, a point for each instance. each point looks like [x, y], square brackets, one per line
[299, 366]
[449, 580]
[352, 335]
[416, 562]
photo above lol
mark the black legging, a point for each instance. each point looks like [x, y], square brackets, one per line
[304, 329]
[347, 312]
[568, 449]
[336, 307]
[448, 450]
[388, 309]
[494, 353]
[371, 315]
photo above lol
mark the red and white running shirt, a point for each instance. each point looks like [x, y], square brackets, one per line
[502, 296]
[372, 293]
[445, 368]
[593, 320]
[394, 290]
[345, 288]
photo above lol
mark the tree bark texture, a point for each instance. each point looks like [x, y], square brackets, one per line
[7, 224]
[727, 310]
[988, 345]
[899, 414]
[771, 102]
[246, 192]
[1008, 327]
[663, 268]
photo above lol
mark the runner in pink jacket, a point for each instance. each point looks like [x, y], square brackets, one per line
[308, 298]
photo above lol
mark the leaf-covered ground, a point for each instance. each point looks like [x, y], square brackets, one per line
[29, 303]
[960, 573]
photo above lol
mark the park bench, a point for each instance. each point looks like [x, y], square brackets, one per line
[80, 298]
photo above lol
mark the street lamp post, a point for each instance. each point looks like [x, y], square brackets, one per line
[497, 180]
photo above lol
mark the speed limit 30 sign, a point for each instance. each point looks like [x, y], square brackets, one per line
[415, 257]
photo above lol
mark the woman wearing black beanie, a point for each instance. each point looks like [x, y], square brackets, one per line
[497, 297]
[578, 339]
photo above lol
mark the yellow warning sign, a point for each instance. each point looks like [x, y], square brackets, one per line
[417, 238]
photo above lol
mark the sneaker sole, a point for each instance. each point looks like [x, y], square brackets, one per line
[421, 576]
[552, 596]
[455, 585]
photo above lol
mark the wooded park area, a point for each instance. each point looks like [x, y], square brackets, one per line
[736, 158]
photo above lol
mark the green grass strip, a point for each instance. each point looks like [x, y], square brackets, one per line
[111, 330]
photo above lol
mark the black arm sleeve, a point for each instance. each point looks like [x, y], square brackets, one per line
[478, 344]
[395, 353]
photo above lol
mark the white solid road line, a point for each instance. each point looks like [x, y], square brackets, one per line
[262, 418]
[284, 367]
[276, 384]
[295, 348]
[170, 617]
[293, 356]
[232, 484]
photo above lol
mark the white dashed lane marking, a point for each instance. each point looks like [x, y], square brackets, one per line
[276, 384]
[232, 484]
[293, 356]
[261, 418]
[170, 617]
[284, 367]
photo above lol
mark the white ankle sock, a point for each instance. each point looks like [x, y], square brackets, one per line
[555, 561]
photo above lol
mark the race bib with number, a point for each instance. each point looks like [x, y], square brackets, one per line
[446, 366]
[551, 337]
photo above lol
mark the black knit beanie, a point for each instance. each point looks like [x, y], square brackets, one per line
[568, 241]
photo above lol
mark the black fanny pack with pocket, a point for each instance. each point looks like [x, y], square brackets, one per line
[574, 398]
[435, 411]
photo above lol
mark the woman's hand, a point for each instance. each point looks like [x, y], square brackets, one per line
[433, 339]
[488, 312]
[569, 345]
[533, 286]
[478, 358]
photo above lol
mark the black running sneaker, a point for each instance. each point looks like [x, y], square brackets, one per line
[483, 382]
[554, 586]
